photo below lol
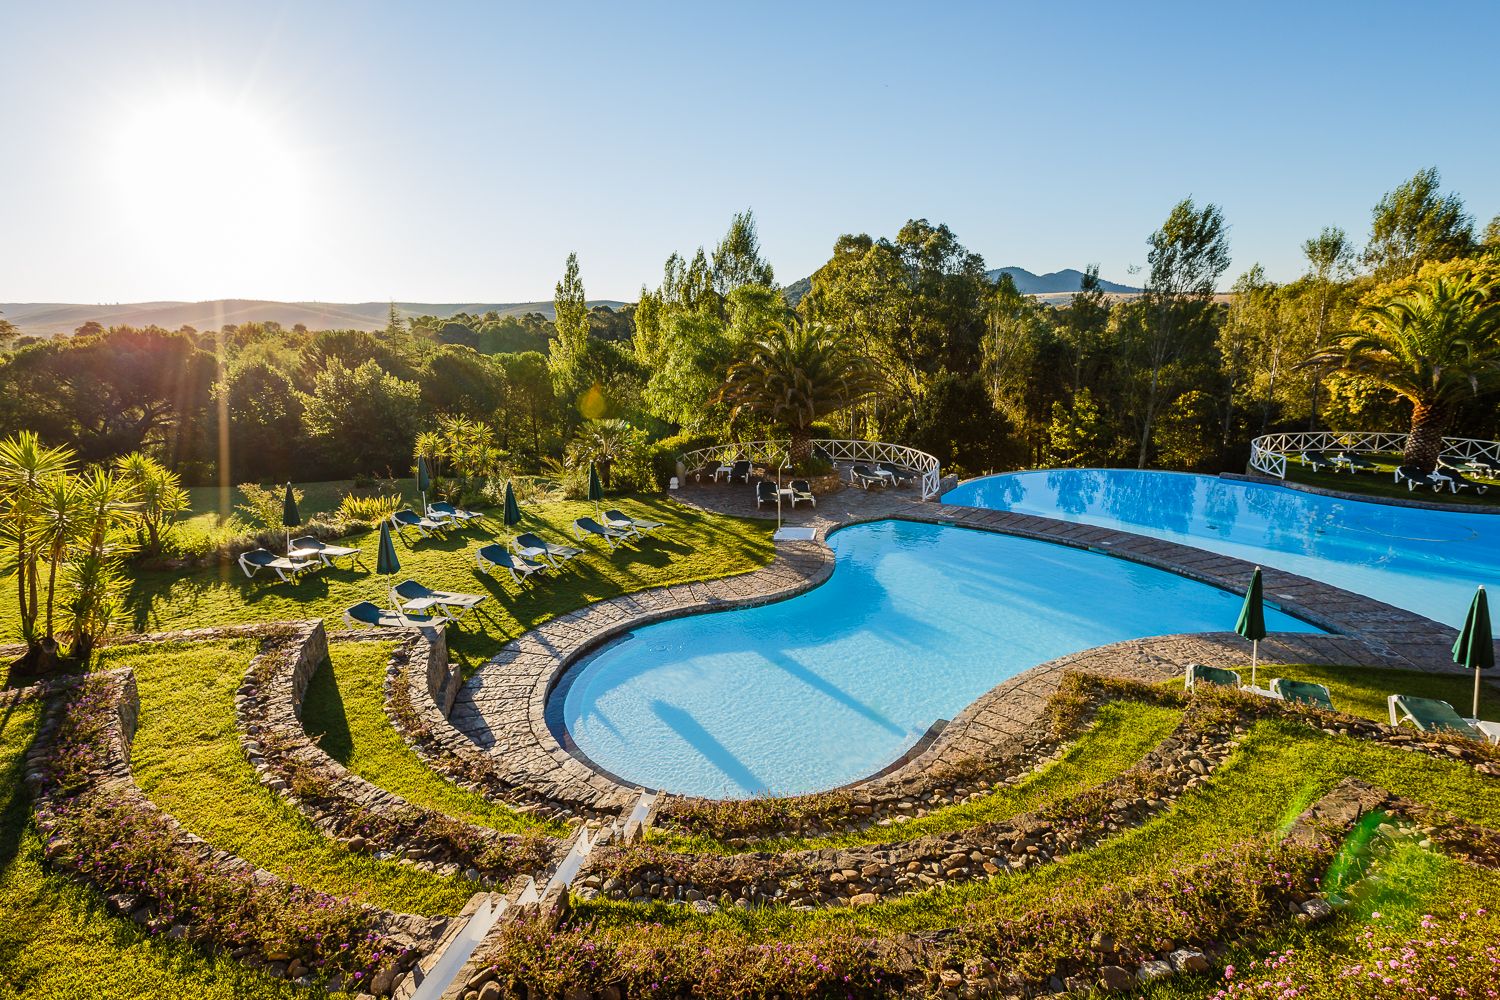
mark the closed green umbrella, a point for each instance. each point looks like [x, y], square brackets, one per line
[424, 481]
[512, 510]
[290, 516]
[1252, 621]
[386, 563]
[596, 489]
[1475, 647]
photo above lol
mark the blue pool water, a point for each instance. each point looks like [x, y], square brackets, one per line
[827, 687]
[1427, 561]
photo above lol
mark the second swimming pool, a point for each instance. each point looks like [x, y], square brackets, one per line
[827, 687]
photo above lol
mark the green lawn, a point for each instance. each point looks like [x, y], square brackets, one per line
[694, 546]
[188, 759]
[1363, 691]
[209, 503]
[345, 711]
[57, 941]
[1383, 484]
[1123, 734]
[1281, 767]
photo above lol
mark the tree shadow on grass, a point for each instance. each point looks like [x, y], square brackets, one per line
[323, 714]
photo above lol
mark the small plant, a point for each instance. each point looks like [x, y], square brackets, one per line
[370, 509]
[262, 506]
[160, 494]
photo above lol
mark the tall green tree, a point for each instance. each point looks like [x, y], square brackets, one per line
[1433, 340]
[1186, 256]
[362, 420]
[1417, 223]
[737, 260]
[1330, 261]
[572, 326]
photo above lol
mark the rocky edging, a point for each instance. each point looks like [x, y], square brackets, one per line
[346, 807]
[863, 875]
[1183, 922]
[419, 690]
[95, 821]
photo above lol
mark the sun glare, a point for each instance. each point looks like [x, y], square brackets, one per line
[204, 182]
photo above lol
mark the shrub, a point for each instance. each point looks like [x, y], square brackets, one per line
[662, 455]
[262, 506]
[368, 509]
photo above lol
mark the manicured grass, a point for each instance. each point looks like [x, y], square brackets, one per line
[187, 758]
[1281, 767]
[344, 710]
[693, 546]
[209, 505]
[57, 941]
[1363, 691]
[1122, 735]
[1383, 484]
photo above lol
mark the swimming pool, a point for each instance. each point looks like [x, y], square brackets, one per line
[830, 686]
[1427, 561]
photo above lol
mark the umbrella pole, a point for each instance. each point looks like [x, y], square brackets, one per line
[1254, 659]
[1476, 693]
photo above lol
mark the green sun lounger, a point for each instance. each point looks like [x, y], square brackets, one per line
[1302, 692]
[370, 614]
[1197, 674]
[1430, 715]
[534, 546]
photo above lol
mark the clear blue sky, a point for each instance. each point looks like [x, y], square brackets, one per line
[447, 152]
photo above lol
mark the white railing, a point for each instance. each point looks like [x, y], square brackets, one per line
[771, 453]
[1269, 453]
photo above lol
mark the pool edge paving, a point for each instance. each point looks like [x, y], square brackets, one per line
[503, 708]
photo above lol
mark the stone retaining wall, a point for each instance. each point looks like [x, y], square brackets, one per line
[114, 782]
[420, 691]
[346, 807]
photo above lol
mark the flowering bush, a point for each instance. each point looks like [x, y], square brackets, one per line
[1446, 959]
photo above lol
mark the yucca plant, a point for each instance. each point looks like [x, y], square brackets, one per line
[108, 510]
[371, 510]
[795, 375]
[25, 466]
[161, 496]
[1433, 340]
[605, 442]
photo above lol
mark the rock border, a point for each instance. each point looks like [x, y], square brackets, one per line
[343, 805]
[115, 781]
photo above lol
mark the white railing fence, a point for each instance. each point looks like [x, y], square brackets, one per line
[771, 453]
[1269, 453]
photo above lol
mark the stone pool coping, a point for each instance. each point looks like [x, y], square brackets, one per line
[503, 708]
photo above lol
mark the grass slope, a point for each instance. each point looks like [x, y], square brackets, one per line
[694, 546]
[1363, 691]
[187, 758]
[1280, 768]
[344, 710]
[1122, 735]
[1383, 484]
[57, 942]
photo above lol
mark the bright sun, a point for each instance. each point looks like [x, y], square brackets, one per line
[206, 184]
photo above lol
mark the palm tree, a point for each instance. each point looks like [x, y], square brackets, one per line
[605, 442]
[794, 375]
[108, 510]
[1433, 341]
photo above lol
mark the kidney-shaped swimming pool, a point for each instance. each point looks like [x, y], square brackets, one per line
[827, 687]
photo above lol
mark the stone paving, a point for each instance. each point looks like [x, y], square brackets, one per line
[503, 707]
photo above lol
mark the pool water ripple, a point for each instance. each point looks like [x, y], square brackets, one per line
[1425, 561]
[834, 684]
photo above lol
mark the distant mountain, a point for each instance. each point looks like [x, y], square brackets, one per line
[45, 319]
[1066, 280]
[1046, 286]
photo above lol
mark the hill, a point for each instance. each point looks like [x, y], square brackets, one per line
[1067, 280]
[45, 319]
[1051, 288]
